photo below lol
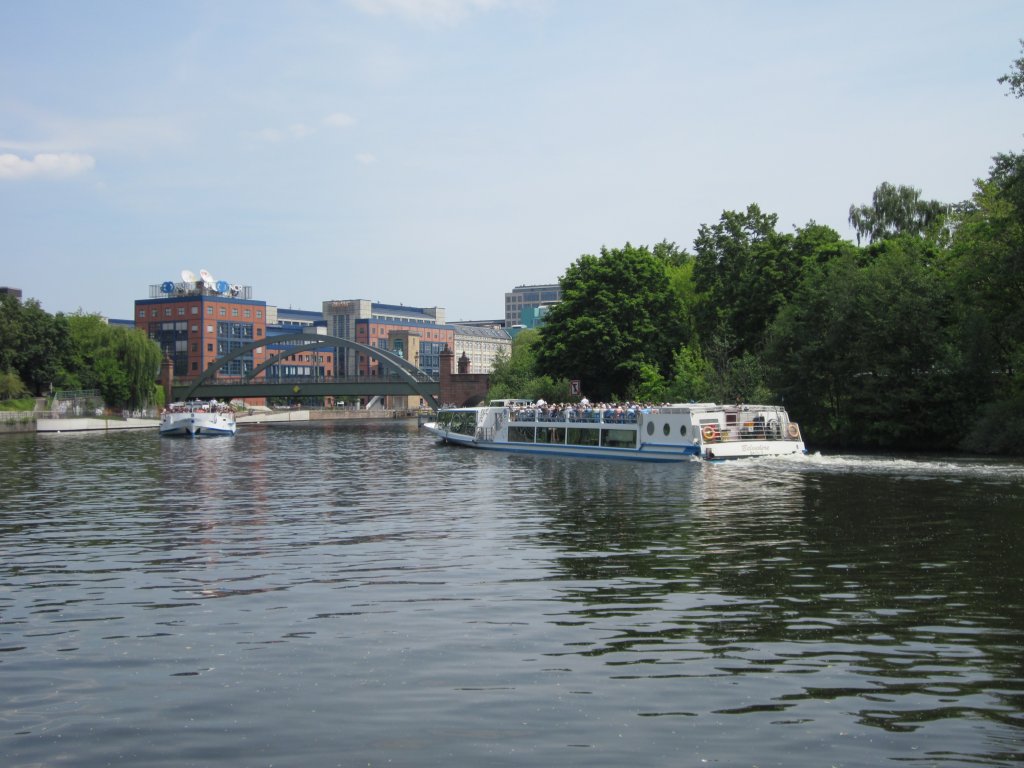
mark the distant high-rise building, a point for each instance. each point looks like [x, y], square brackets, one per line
[390, 327]
[529, 297]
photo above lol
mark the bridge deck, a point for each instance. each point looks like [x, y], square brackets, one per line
[343, 387]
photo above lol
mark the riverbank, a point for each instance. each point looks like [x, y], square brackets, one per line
[27, 422]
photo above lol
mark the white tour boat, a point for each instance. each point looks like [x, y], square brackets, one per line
[198, 418]
[677, 432]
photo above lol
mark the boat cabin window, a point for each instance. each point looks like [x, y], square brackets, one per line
[555, 435]
[580, 436]
[462, 422]
[520, 434]
[618, 438]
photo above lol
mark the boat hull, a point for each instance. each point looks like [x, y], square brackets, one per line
[197, 423]
[664, 454]
[666, 433]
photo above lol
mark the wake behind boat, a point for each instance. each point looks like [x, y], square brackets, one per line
[198, 418]
[676, 432]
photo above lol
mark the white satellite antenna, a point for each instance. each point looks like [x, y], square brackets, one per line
[207, 278]
[187, 276]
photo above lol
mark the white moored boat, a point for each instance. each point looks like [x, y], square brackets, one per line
[676, 432]
[198, 418]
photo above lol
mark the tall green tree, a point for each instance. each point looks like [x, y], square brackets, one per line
[866, 352]
[744, 272]
[617, 315]
[895, 210]
[123, 363]
[692, 377]
[33, 343]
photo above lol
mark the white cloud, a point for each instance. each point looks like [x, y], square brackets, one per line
[366, 158]
[443, 11]
[46, 164]
[131, 134]
[339, 120]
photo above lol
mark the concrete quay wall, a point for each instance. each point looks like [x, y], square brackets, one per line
[99, 424]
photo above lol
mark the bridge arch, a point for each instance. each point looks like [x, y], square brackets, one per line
[409, 373]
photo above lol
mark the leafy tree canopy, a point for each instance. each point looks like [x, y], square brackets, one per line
[895, 210]
[617, 315]
[1014, 79]
[744, 273]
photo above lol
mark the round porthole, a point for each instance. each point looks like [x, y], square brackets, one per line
[666, 429]
[650, 427]
[682, 431]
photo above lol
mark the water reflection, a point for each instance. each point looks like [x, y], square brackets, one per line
[823, 589]
[309, 593]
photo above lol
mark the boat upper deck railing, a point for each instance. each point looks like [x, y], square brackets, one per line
[769, 423]
[617, 415]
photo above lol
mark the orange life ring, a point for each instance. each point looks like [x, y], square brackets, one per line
[709, 432]
[793, 430]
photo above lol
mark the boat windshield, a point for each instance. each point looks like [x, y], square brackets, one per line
[462, 422]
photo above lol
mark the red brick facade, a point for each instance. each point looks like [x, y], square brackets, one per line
[461, 389]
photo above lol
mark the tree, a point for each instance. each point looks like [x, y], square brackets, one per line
[744, 273]
[895, 210]
[11, 387]
[617, 314]
[1015, 77]
[866, 353]
[120, 362]
[649, 386]
[692, 377]
[43, 345]
[516, 375]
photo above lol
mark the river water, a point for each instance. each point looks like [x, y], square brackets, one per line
[360, 596]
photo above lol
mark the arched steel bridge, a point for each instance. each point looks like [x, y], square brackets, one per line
[401, 376]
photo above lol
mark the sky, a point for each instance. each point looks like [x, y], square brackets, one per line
[442, 152]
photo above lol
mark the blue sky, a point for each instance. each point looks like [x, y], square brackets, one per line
[441, 152]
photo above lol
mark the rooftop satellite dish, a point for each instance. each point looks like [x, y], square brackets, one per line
[187, 276]
[207, 277]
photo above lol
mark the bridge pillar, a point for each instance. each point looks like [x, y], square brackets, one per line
[167, 379]
[461, 388]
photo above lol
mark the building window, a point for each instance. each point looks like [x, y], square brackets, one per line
[181, 311]
[259, 313]
[195, 347]
[195, 366]
[209, 347]
[195, 329]
[209, 310]
[167, 312]
[142, 313]
[248, 313]
[234, 311]
[223, 312]
[195, 310]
